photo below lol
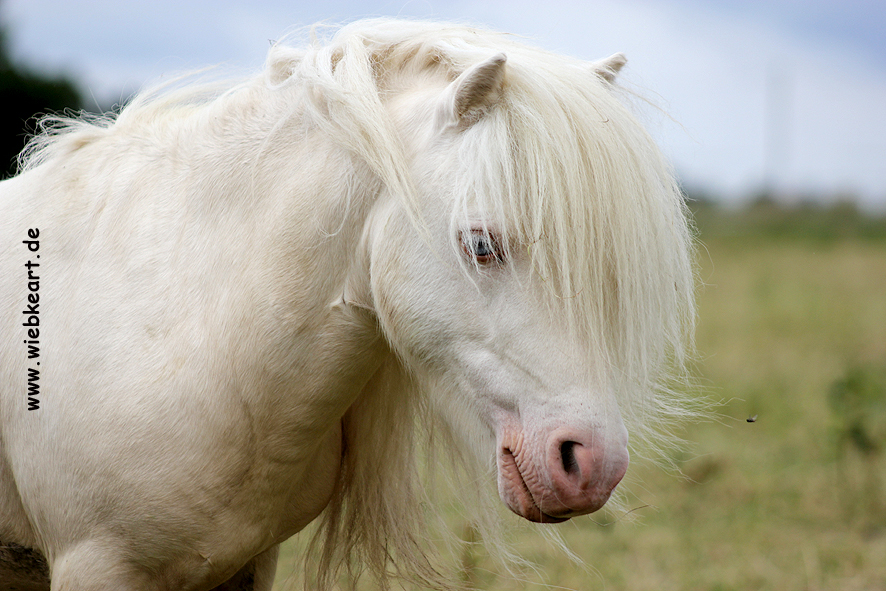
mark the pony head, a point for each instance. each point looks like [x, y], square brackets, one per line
[530, 262]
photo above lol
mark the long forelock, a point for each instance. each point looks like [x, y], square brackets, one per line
[585, 193]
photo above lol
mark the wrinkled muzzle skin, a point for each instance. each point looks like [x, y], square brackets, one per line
[549, 473]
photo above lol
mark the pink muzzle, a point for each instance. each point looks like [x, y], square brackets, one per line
[566, 472]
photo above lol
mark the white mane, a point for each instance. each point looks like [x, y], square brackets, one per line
[560, 161]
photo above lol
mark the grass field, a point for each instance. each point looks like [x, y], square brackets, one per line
[792, 330]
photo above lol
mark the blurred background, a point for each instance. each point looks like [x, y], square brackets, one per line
[774, 114]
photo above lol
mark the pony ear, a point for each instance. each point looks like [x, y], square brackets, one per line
[280, 63]
[608, 68]
[473, 92]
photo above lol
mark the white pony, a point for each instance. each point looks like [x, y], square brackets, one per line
[225, 310]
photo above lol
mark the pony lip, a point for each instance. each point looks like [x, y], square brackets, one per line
[516, 494]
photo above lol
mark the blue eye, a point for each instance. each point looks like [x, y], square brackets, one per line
[482, 247]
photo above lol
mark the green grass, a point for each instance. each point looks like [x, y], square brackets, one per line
[792, 329]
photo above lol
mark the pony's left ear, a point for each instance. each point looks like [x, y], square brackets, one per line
[470, 95]
[608, 68]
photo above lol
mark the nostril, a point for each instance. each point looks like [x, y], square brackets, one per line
[567, 456]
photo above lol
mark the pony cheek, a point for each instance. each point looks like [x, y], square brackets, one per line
[415, 328]
[419, 312]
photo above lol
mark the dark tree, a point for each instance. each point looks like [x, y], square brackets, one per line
[24, 96]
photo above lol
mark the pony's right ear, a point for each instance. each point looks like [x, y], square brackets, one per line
[608, 68]
[470, 95]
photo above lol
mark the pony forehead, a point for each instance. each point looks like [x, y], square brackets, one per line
[551, 104]
[557, 119]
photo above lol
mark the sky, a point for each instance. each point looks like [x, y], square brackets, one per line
[742, 95]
